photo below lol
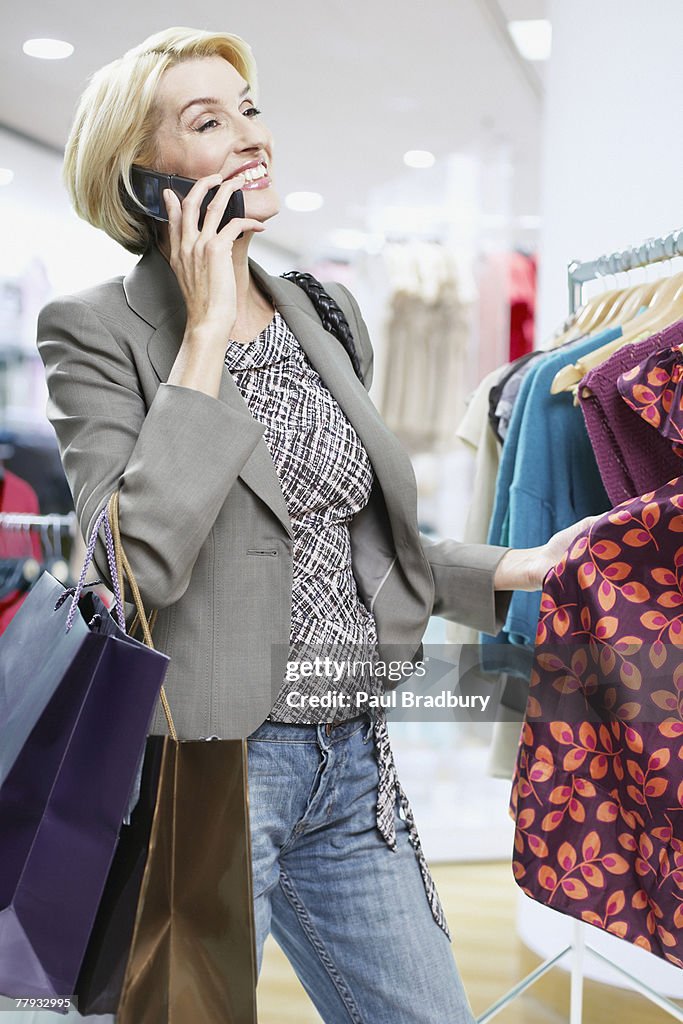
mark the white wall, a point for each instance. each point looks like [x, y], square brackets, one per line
[613, 139]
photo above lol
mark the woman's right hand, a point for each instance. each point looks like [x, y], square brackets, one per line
[202, 260]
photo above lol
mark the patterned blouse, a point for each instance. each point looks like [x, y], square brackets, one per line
[326, 477]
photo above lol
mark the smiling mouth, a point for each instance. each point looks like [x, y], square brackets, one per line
[256, 178]
[256, 173]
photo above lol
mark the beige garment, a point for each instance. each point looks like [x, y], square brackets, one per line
[426, 366]
[475, 431]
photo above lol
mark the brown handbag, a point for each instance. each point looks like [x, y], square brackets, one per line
[174, 940]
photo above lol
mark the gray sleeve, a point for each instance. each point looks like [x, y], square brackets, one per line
[463, 583]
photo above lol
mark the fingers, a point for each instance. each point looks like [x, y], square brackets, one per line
[238, 224]
[174, 214]
[183, 216]
[191, 203]
[216, 207]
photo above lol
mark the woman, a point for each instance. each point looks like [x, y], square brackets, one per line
[266, 511]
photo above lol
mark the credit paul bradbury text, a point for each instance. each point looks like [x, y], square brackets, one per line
[392, 699]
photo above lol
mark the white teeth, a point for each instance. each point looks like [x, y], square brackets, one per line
[254, 173]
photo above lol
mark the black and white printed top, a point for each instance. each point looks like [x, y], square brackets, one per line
[326, 477]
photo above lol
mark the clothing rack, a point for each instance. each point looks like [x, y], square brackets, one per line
[54, 519]
[653, 250]
[52, 527]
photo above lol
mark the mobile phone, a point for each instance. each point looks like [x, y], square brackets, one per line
[149, 186]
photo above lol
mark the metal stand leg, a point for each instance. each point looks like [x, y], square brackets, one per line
[576, 992]
[520, 987]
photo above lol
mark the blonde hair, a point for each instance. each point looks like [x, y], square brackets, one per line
[115, 123]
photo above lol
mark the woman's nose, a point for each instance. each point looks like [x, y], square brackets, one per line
[253, 134]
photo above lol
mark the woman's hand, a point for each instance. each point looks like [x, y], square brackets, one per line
[202, 260]
[526, 568]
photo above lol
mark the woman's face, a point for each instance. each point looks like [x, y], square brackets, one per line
[208, 124]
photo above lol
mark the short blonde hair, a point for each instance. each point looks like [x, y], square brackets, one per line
[114, 126]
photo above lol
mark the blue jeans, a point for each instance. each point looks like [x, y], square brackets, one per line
[350, 914]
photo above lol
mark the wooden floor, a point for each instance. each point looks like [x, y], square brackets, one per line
[480, 901]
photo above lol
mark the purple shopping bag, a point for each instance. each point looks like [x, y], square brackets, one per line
[77, 697]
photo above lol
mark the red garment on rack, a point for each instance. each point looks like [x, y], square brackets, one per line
[17, 496]
[522, 285]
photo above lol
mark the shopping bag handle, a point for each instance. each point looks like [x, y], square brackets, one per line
[115, 575]
[123, 565]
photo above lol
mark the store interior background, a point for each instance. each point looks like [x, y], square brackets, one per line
[562, 158]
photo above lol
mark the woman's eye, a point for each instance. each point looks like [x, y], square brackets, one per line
[252, 112]
[207, 124]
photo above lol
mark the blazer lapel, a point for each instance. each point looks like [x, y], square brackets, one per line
[152, 290]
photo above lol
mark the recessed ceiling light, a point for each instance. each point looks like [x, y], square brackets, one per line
[533, 38]
[48, 49]
[5, 175]
[419, 158]
[304, 202]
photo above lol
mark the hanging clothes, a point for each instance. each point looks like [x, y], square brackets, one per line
[632, 457]
[16, 496]
[653, 390]
[503, 396]
[426, 338]
[476, 434]
[548, 479]
[597, 796]
[522, 284]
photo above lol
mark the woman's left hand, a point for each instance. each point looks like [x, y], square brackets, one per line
[526, 568]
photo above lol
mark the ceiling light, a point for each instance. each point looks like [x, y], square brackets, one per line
[533, 38]
[419, 158]
[304, 202]
[5, 175]
[47, 49]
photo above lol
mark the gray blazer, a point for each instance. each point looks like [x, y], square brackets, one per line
[203, 518]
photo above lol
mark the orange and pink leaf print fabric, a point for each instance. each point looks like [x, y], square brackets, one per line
[597, 794]
[654, 389]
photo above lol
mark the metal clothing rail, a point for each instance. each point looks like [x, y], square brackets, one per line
[652, 250]
[19, 519]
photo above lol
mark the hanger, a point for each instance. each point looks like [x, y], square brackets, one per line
[610, 301]
[573, 328]
[664, 308]
[636, 297]
[591, 312]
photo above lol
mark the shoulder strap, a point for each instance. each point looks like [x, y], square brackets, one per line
[330, 312]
